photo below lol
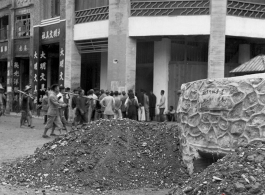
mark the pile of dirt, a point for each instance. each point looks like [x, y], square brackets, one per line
[239, 173]
[107, 154]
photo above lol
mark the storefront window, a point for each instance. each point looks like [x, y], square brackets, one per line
[23, 26]
[3, 27]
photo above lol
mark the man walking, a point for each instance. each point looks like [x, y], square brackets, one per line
[53, 112]
[108, 103]
[26, 108]
[152, 105]
[162, 106]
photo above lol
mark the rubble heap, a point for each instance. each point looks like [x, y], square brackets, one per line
[116, 154]
[239, 173]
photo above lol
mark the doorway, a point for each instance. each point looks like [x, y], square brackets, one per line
[24, 72]
[3, 73]
[53, 63]
[90, 71]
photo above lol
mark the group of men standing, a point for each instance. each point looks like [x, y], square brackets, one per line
[147, 106]
[57, 103]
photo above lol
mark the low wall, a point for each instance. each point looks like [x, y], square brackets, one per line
[215, 116]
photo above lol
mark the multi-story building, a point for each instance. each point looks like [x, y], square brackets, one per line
[126, 44]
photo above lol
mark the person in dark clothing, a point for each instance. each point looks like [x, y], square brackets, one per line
[152, 105]
[66, 101]
[26, 108]
[16, 102]
[123, 100]
[131, 105]
[74, 102]
[82, 108]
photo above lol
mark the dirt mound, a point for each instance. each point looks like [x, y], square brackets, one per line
[116, 154]
[239, 173]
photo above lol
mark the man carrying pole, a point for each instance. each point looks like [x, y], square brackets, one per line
[53, 112]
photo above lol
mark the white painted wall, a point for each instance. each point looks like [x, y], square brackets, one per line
[245, 27]
[165, 25]
[91, 30]
[161, 61]
[104, 71]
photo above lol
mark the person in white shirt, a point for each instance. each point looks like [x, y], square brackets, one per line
[61, 110]
[108, 103]
[162, 106]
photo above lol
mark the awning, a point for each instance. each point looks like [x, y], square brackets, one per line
[256, 64]
[92, 46]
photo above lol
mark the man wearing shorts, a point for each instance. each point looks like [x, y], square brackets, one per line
[53, 112]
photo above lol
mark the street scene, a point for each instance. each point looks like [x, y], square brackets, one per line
[145, 97]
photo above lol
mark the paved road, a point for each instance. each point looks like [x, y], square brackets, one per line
[16, 142]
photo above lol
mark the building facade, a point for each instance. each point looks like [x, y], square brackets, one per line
[126, 44]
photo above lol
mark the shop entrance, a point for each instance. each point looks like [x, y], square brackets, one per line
[90, 71]
[3, 73]
[24, 72]
[144, 66]
[52, 51]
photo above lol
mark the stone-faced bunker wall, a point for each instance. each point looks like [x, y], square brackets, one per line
[216, 115]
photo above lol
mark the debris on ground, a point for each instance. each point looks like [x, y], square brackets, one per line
[239, 173]
[107, 154]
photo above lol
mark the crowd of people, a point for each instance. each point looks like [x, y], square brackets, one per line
[62, 107]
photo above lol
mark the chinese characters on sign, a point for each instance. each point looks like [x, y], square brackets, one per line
[22, 48]
[61, 67]
[50, 34]
[16, 75]
[42, 72]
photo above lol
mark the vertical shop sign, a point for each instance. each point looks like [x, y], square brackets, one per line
[62, 55]
[42, 73]
[36, 60]
[16, 75]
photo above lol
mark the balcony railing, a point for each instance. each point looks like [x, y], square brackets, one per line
[169, 8]
[3, 33]
[90, 15]
[245, 9]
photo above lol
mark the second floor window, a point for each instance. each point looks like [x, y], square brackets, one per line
[23, 26]
[3, 27]
[55, 8]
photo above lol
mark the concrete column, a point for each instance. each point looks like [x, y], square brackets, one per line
[121, 48]
[244, 53]
[216, 61]
[162, 51]
[72, 56]
[103, 70]
[10, 60]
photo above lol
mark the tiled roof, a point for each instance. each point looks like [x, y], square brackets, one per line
[256, 64]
